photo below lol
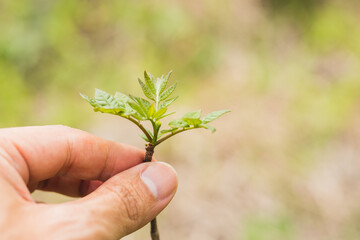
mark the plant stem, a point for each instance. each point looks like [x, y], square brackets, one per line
[141, 127]
[154, 230]
[148, 157]
[149, 152]
[170, 135]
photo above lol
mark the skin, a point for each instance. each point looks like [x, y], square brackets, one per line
[106, 176]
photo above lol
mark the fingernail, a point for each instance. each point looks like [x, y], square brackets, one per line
[160, 178]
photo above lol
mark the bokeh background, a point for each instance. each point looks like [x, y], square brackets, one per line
[285, 164]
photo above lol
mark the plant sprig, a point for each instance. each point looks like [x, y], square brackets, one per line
[137, 109]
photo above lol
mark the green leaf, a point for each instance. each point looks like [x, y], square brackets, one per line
[211, 128]
[178, 123]
[150, 81]
[105, 100]
[214, 115]
[164, 81]
[89, 100]
[192, 118]
[168, 92]
[151, 111]
[104, 103]
[167, 130]
[192, 115]
[159, 113]
[146, 90]
[143, 104]
[193, 122]
[129, 111]
[165, 115]
[121, 98]
[158, 84]
[140, 113]
[167, 102]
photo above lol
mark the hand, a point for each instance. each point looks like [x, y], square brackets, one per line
[120, 194]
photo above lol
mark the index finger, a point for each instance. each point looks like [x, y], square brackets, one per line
[40, 153]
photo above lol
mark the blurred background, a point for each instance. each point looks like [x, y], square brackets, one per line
[285, 164]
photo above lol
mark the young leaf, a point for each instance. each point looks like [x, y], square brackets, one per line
[167, 131]
[165, 115]
[89, 100]
[121, 98]
[139, 114]
[151, 111]
[105, 100]
[192, 115]
[214, 115]
[159, 113]
[168, 92]
[167, 102]
[192, 122]
[159, 82]
[144, 104]
[164, 81]
[129, 111]
[211, 128]
[178, 123]
[150, 82]
[192, 118]
[146, 90]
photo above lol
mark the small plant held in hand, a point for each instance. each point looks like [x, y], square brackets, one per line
[138, 110]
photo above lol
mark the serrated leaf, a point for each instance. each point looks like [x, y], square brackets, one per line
[168, 92]
[150, 81]
[159, 113]
[208, 127]
[128, 110]
[165, 115]
[178, 123]
[164, 81]
[142, 103]
[214, 115]
[121, 98]
[158, 84]
[89, 100]
[167, 102]
[111, 107]
[105, 99]
[167, 131]
[146, 90]
[193, 115]
[192, 122]
[140, 113]
[151, 111]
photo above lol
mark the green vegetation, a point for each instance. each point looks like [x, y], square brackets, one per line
[137, 110]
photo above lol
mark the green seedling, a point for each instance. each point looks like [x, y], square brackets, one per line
[139, 110]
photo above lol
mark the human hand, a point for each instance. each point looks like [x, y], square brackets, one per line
[120, 194]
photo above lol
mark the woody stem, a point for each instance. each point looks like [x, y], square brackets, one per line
[148, 157]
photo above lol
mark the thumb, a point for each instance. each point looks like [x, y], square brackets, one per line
[128, 200]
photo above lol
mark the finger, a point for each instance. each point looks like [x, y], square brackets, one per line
[41, 153]
[127, 201]
[72, 187]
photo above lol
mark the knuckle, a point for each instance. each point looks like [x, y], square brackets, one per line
[132, 201]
